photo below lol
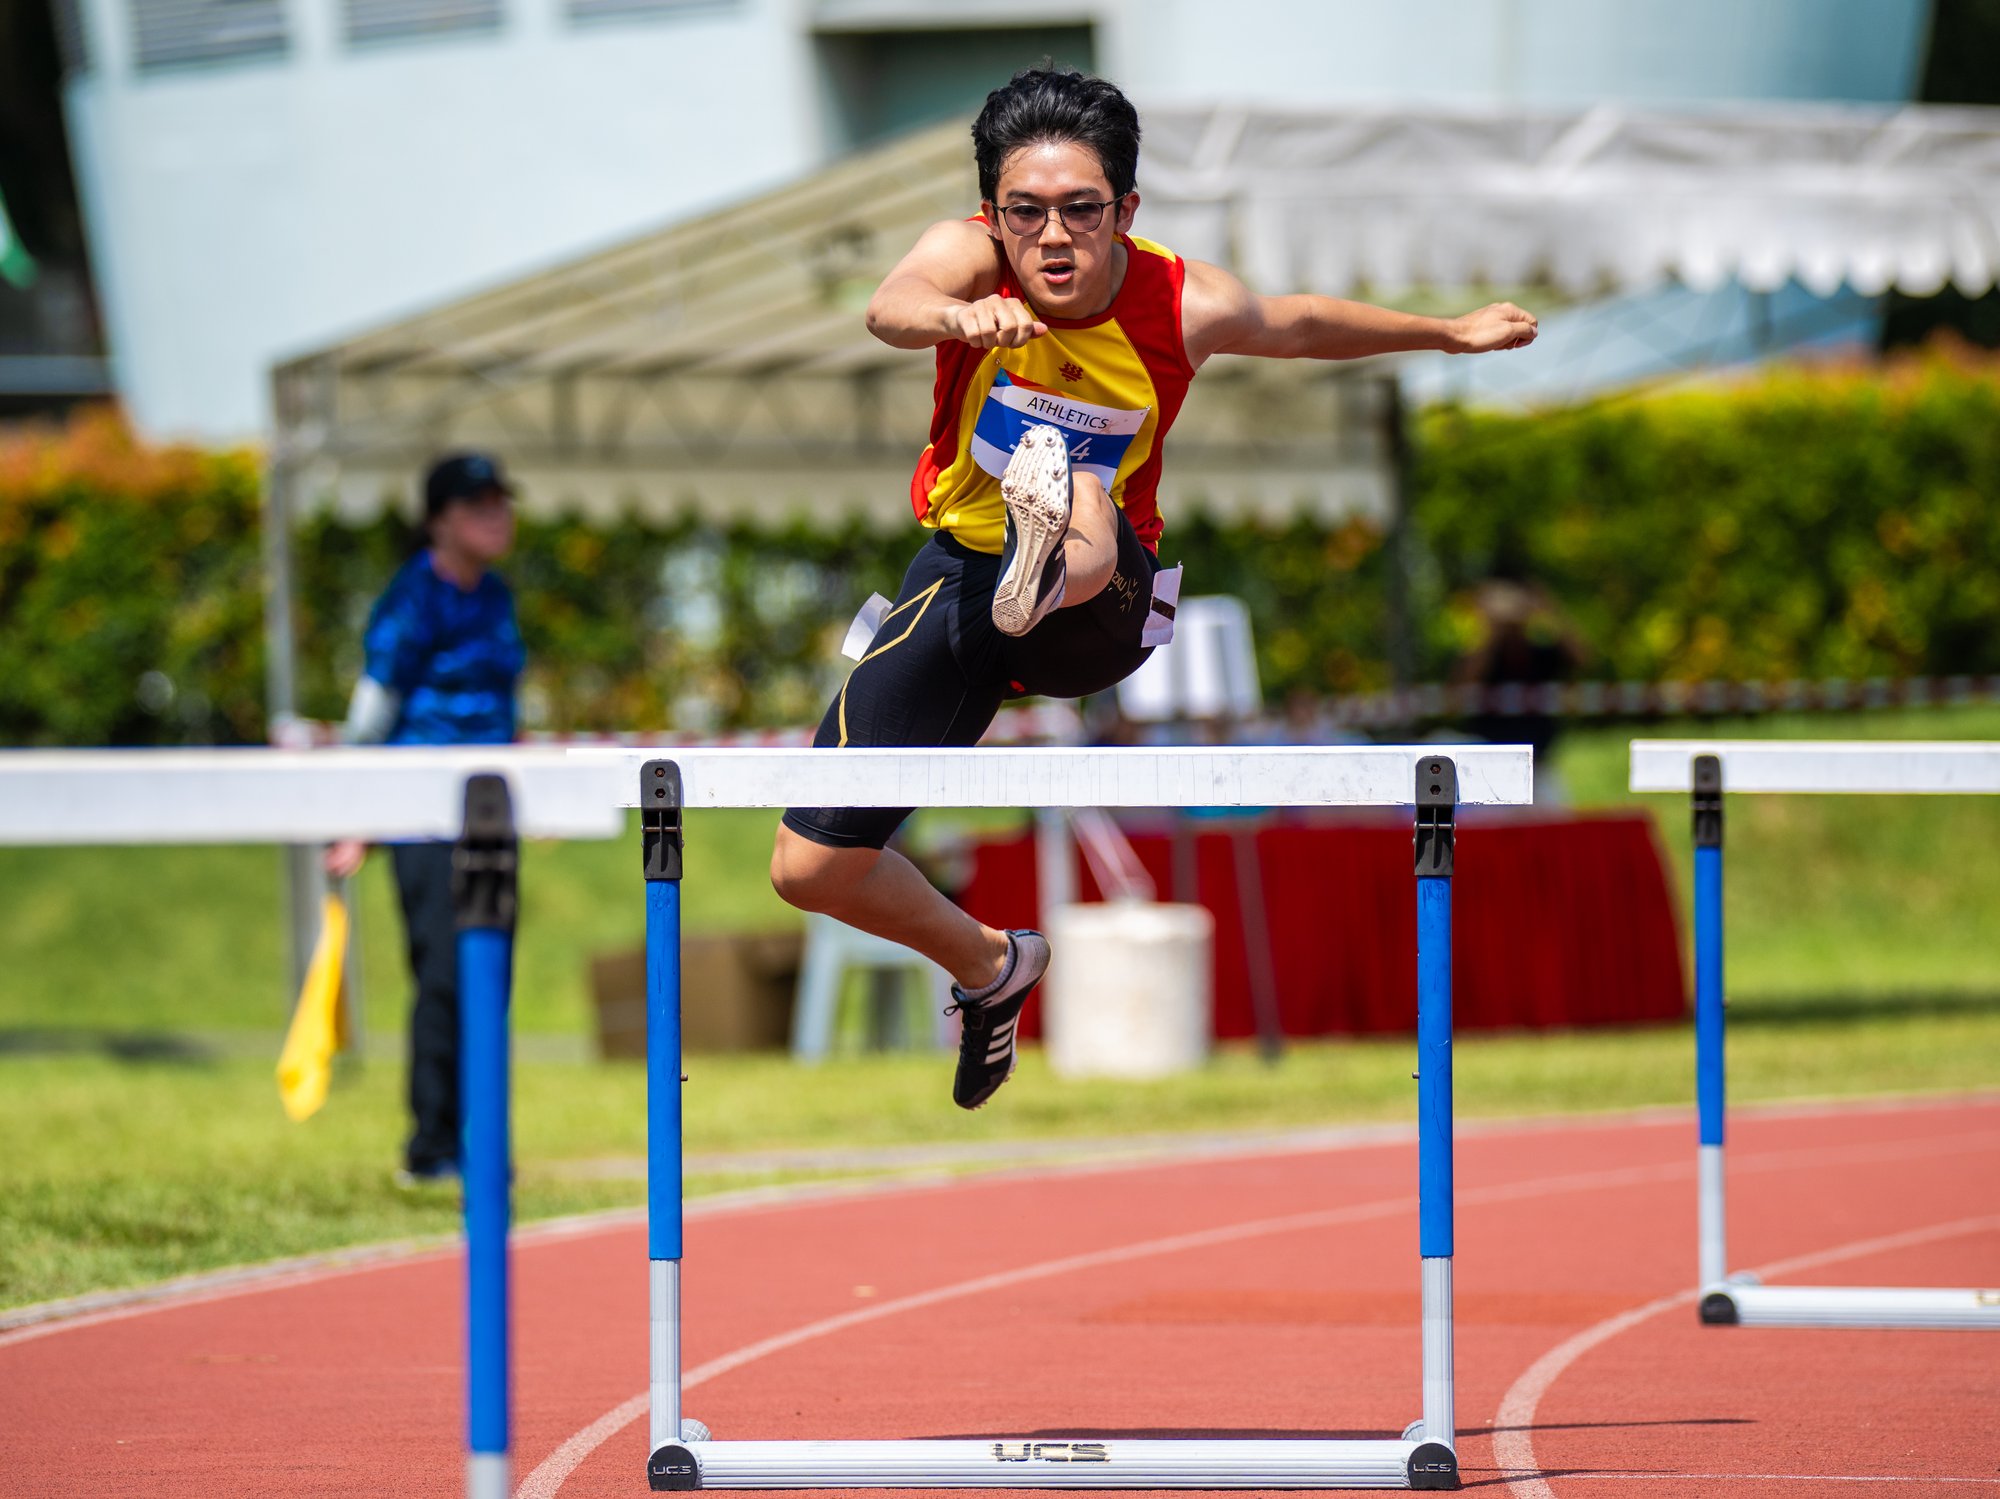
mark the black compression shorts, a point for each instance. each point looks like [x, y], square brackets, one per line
[937, 671]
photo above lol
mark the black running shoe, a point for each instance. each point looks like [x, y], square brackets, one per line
[986, 1034]
[1036, 493]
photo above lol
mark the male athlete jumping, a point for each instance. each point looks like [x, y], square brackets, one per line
[1064, 347]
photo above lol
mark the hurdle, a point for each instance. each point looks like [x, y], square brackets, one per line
[51, 797]
[484, 799]
[1706, 769]
[683, 1454]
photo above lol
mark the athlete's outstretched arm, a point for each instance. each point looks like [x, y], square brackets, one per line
[1220, 315]
[945, 288]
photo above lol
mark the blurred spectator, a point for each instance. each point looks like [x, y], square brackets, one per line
[1524, 642]
[442, 657]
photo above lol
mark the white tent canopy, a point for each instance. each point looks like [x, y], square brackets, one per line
[722, 363]
[1607, 199]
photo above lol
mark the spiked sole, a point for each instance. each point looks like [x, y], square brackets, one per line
[1036, 491]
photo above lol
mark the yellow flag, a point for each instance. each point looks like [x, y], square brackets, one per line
[305, 1066]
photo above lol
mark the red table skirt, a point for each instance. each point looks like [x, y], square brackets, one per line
[1564, 922]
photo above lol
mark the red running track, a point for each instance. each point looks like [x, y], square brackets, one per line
[1270, 1293]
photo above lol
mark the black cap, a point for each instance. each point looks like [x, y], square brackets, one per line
[462, 476]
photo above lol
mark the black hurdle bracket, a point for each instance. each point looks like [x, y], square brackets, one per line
[485, 863]
[1437, 800]
[660, 809]
[1707, 801]
[1718, 1309]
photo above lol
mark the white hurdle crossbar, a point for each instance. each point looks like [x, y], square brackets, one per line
[1203, 776]
[1434, 780]
[255, 795]
[137, 796]
[1706, 769]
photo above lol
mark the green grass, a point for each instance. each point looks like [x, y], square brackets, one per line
[125, 1172]
[1860, 961]
[188, 939]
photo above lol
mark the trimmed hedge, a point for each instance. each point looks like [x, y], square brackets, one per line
[1802, 521]
[130, 610]
[1805, 522]
[628, 625]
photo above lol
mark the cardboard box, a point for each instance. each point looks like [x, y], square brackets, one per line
[737, 991]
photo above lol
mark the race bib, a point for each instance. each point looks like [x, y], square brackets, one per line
[1098, 435]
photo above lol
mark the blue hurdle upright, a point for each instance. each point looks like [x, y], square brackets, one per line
[682, 1455]
[484, 891]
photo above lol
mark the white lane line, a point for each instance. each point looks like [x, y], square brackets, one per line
[1514, 1438]
[548, 1476]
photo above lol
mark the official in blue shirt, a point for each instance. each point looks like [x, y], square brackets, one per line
[442, 656]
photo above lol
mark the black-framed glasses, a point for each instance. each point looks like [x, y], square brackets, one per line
[1031, 218]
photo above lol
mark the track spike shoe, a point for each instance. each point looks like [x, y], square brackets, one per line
[1036, 492]
[986, 1048]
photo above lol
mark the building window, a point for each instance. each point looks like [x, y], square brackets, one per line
[398, 20]
[883, 83]
[175, 33]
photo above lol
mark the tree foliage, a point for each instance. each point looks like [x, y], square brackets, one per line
[1799, 521]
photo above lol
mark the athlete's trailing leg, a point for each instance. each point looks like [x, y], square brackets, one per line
[880, 891]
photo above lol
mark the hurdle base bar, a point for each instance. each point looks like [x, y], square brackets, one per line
[1736, 1305]
[1055, 1463]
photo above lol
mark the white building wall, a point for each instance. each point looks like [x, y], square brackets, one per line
[241, 213]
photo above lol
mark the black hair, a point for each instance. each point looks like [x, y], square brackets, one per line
[1056, 105]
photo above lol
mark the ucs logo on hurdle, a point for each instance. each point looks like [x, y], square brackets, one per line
[672, 1468]
[1051, 1452]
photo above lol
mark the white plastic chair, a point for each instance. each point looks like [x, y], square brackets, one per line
[834, 949]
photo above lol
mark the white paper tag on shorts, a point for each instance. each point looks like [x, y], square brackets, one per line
[1166, 599]
[862, 632]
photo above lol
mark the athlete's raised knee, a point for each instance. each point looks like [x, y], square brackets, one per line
[814, 877]
[1090, 552]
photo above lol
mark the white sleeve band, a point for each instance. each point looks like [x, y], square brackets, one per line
[371, 713]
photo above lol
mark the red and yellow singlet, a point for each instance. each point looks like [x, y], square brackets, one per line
[1113, 384]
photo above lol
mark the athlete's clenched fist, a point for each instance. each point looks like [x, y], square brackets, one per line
[1500, 325]
[994, 322]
